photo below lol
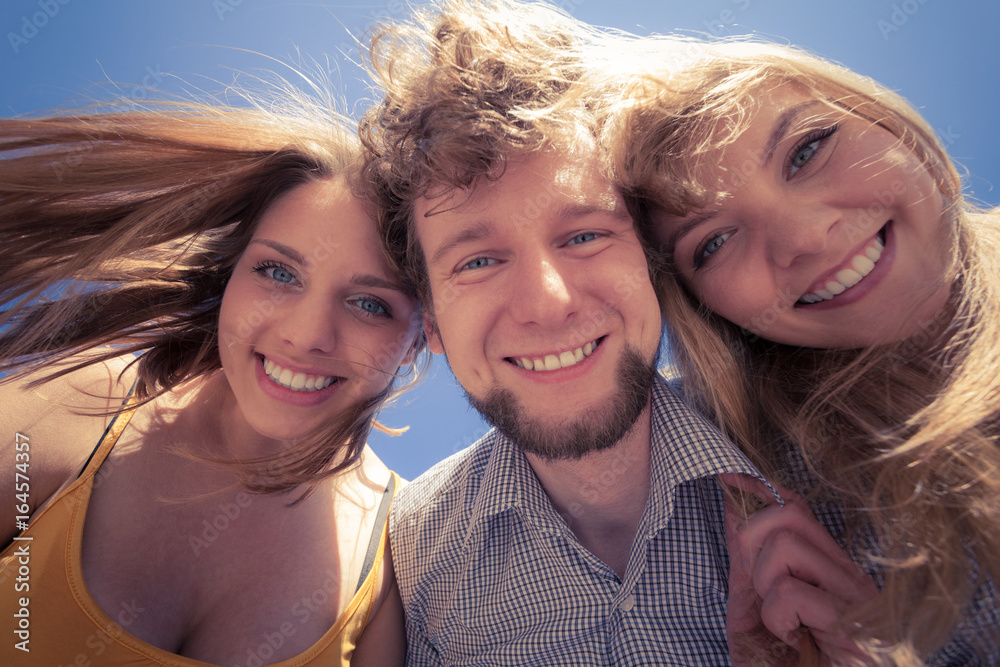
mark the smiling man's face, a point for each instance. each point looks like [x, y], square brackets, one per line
[543, 304]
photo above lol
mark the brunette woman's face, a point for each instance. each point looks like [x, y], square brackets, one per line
[312, 321]
[830, 233]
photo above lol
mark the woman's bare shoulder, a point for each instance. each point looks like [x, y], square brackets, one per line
[57, 424]
[383, 641]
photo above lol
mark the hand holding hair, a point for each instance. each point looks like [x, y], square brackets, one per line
[789, 583]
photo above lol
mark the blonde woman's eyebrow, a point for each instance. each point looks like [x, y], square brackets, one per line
[685, 228]
[287, 251]
[781, 127]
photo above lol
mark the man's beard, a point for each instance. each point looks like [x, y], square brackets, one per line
[593, 431]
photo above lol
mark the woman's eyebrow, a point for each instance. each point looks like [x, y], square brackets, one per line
[370, 280]
[781, 127]
[287, 251]
[685, 227]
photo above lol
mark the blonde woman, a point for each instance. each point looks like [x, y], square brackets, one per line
[832, 301]
[211, 500]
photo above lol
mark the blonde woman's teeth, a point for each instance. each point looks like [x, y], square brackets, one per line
[553, 362]
[861, 266]
[296, 381]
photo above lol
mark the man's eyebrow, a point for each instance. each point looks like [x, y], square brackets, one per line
[482, 229]
[687, 226]
[475, 232]
[291, 253]
[781, 127]
[616, 210]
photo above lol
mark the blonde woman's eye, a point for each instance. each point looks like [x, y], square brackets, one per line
[709, 248]
[804, 155]
[806, 149]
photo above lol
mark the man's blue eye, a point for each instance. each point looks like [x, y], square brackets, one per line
[582, 238]
[478, 263]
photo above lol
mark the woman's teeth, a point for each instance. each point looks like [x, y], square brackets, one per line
[553, 362]
[296, 381]
[861, 266]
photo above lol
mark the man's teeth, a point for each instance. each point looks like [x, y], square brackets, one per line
[552, 362]
[861, 266]
[296, 381]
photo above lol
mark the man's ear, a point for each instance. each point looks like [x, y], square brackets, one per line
[433, 337]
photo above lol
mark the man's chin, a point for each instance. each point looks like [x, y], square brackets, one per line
[574, 437]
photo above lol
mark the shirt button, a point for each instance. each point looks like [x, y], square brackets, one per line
[628, 603]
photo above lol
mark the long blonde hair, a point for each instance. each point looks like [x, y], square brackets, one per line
[124, 229]
[905, 436]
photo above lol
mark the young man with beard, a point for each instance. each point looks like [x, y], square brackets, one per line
[585, 529]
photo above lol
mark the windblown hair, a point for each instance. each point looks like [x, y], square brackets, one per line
[468, 86]
[904, 435]
[121, 230]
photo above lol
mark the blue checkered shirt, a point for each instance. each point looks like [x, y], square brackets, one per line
[491, 574]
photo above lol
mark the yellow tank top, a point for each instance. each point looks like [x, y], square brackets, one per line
[48, 617]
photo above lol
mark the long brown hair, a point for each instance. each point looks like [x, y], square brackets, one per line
[905, 436]
[121, 230]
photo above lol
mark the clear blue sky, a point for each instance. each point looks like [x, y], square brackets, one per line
[943, 56]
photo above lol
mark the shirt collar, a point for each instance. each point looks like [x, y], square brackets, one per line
[684, 447]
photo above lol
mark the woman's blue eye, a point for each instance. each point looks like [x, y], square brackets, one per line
[802, 156]
[276, 273]
[807, 148]
[582, 238]
[371, 306]
[710, 248]
[281, 275]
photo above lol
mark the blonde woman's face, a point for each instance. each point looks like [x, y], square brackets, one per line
[830, 233]
[312, 321]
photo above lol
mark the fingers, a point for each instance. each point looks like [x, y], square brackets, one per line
[785, 561]
[788, 542]
[792, 605]
[793, 534]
